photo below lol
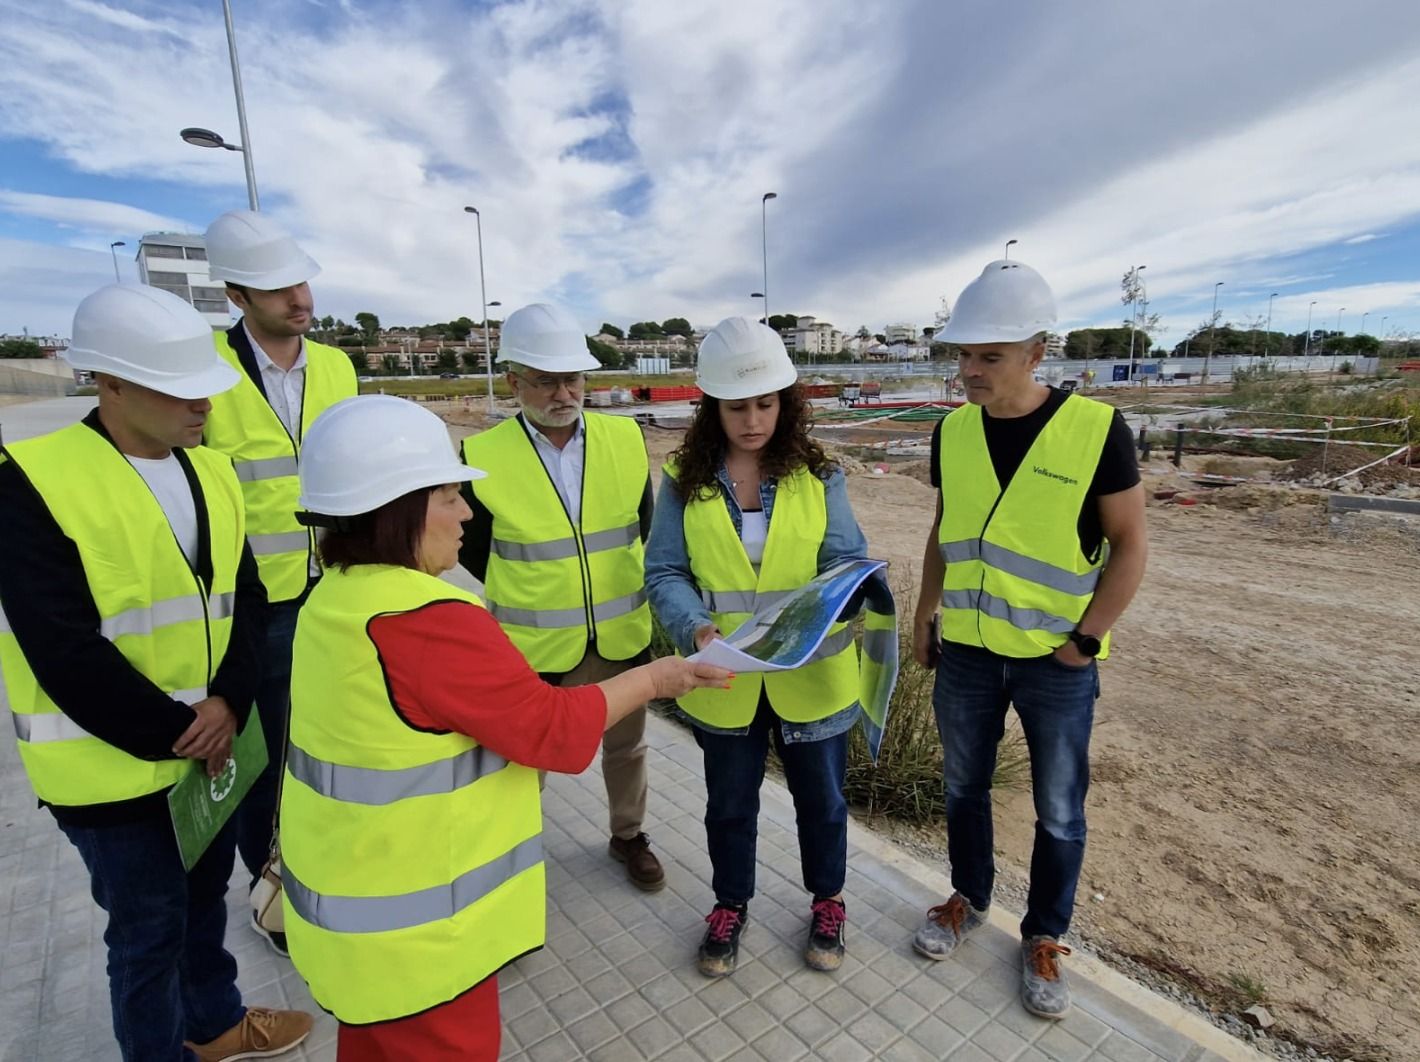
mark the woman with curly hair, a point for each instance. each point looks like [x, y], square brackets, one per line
[751, 507]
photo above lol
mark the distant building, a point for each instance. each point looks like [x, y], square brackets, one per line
[49, 346]
[1054, 345]
[177, 262]
[813, 338]
[901, 333]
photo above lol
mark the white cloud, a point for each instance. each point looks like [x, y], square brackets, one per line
[906, 147]
[90, 215]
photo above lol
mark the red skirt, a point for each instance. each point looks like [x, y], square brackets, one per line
[465, 1029]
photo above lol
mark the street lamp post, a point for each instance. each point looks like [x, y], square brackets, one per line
[1009, 243]
[1212, 332]
[1362, 330]
[483, 296]
[760, 295]
[206, 138]
[1332, 371]
[241, 106]
[1133, 312]
[1307, 343]
[1384, 319]
[764, 246]
[114, 254]
[1266, 347]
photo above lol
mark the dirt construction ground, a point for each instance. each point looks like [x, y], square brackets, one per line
[1256, 765]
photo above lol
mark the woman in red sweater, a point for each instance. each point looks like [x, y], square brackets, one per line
[410, 816]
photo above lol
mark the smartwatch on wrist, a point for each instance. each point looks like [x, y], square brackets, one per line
[1088, 644]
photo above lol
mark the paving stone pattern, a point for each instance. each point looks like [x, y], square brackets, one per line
[617, 981]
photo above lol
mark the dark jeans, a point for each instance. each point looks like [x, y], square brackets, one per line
[273, 705]
[1056, 707]
[734, 770]
[170, 979]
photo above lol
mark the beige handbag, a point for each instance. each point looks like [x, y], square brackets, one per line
[266, 893]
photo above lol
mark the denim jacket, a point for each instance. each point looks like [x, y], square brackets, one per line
[676, 599]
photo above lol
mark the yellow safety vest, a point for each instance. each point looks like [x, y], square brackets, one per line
[412, 859]
[243, 426]
[726, 579]
[1017, 579]
[554, 585]
[152, 607]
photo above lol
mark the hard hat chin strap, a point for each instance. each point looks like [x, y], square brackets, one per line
[334, 523]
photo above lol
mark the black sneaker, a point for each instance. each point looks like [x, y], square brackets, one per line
[276, 940]
[720, 950]
[825, 947]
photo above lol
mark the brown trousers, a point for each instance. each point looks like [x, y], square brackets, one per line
[623, 748]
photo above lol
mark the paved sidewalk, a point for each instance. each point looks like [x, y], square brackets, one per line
[617, 981]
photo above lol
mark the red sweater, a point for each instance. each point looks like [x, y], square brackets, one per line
[451, 667]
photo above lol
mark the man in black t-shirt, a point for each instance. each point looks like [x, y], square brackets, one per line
[1037, 547]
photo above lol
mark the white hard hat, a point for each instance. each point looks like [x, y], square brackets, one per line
[546, 337]
[1008, 303]
[247, 248]
[371, 449]
[741, 358]
[149, 337]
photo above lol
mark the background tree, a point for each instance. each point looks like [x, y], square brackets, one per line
[611, 330]
[448, 361]
[472, 362]
[1105, 343]
[676, 326]
[646, 330]
[781, 321]
[358, 361]
[608, 355]
[369, 324]
[390, 362]
[20, 348]
[863, 332]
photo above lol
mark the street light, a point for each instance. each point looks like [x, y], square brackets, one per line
[483, 295]
[1362, 330]
[764, 245]
[759, 295]
[206, 138]
[1267, 345]
[1008, 246]
[1332, 371]
[1212, 332]
[114, 254]
[1384, 319]
[1133, 311]
[1307, 345]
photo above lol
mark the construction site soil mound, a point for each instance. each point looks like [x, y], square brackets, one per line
[1319, 466]
[1255, 762]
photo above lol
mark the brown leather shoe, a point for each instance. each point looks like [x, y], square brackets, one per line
[642, 866]
[262, 1033]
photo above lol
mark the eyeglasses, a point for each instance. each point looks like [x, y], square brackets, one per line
[550, 384]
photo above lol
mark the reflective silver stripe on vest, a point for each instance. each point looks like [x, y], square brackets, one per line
[221, 606]
[280, 542]
[741, 600]
[832, 645]
[269, 468]
[4, 623]
[42, 727]
[566, 548]
[618, 606]
[561, 618]
[879, 646]
[382, 914]
[1026, 619]
[50, 726]
[372, 786]
[143, 621]
[1021, 566]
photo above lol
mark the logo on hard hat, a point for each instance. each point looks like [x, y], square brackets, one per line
[750, 370]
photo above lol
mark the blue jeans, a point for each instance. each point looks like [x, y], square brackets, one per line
[273, 704]
[170, 979]
[734, 771]
[1056, 707]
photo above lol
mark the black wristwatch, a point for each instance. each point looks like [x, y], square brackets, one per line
[1088, 644]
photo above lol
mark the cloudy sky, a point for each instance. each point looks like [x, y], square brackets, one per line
[618, 150]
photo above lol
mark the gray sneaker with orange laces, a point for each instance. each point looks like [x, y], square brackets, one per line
[1044, 990]
[946, 926]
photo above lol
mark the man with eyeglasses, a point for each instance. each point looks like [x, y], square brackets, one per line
[557, 538]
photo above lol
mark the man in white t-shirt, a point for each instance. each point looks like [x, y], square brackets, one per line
[131, 622]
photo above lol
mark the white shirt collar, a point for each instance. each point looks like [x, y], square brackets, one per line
[263, 359]
[540, 437]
